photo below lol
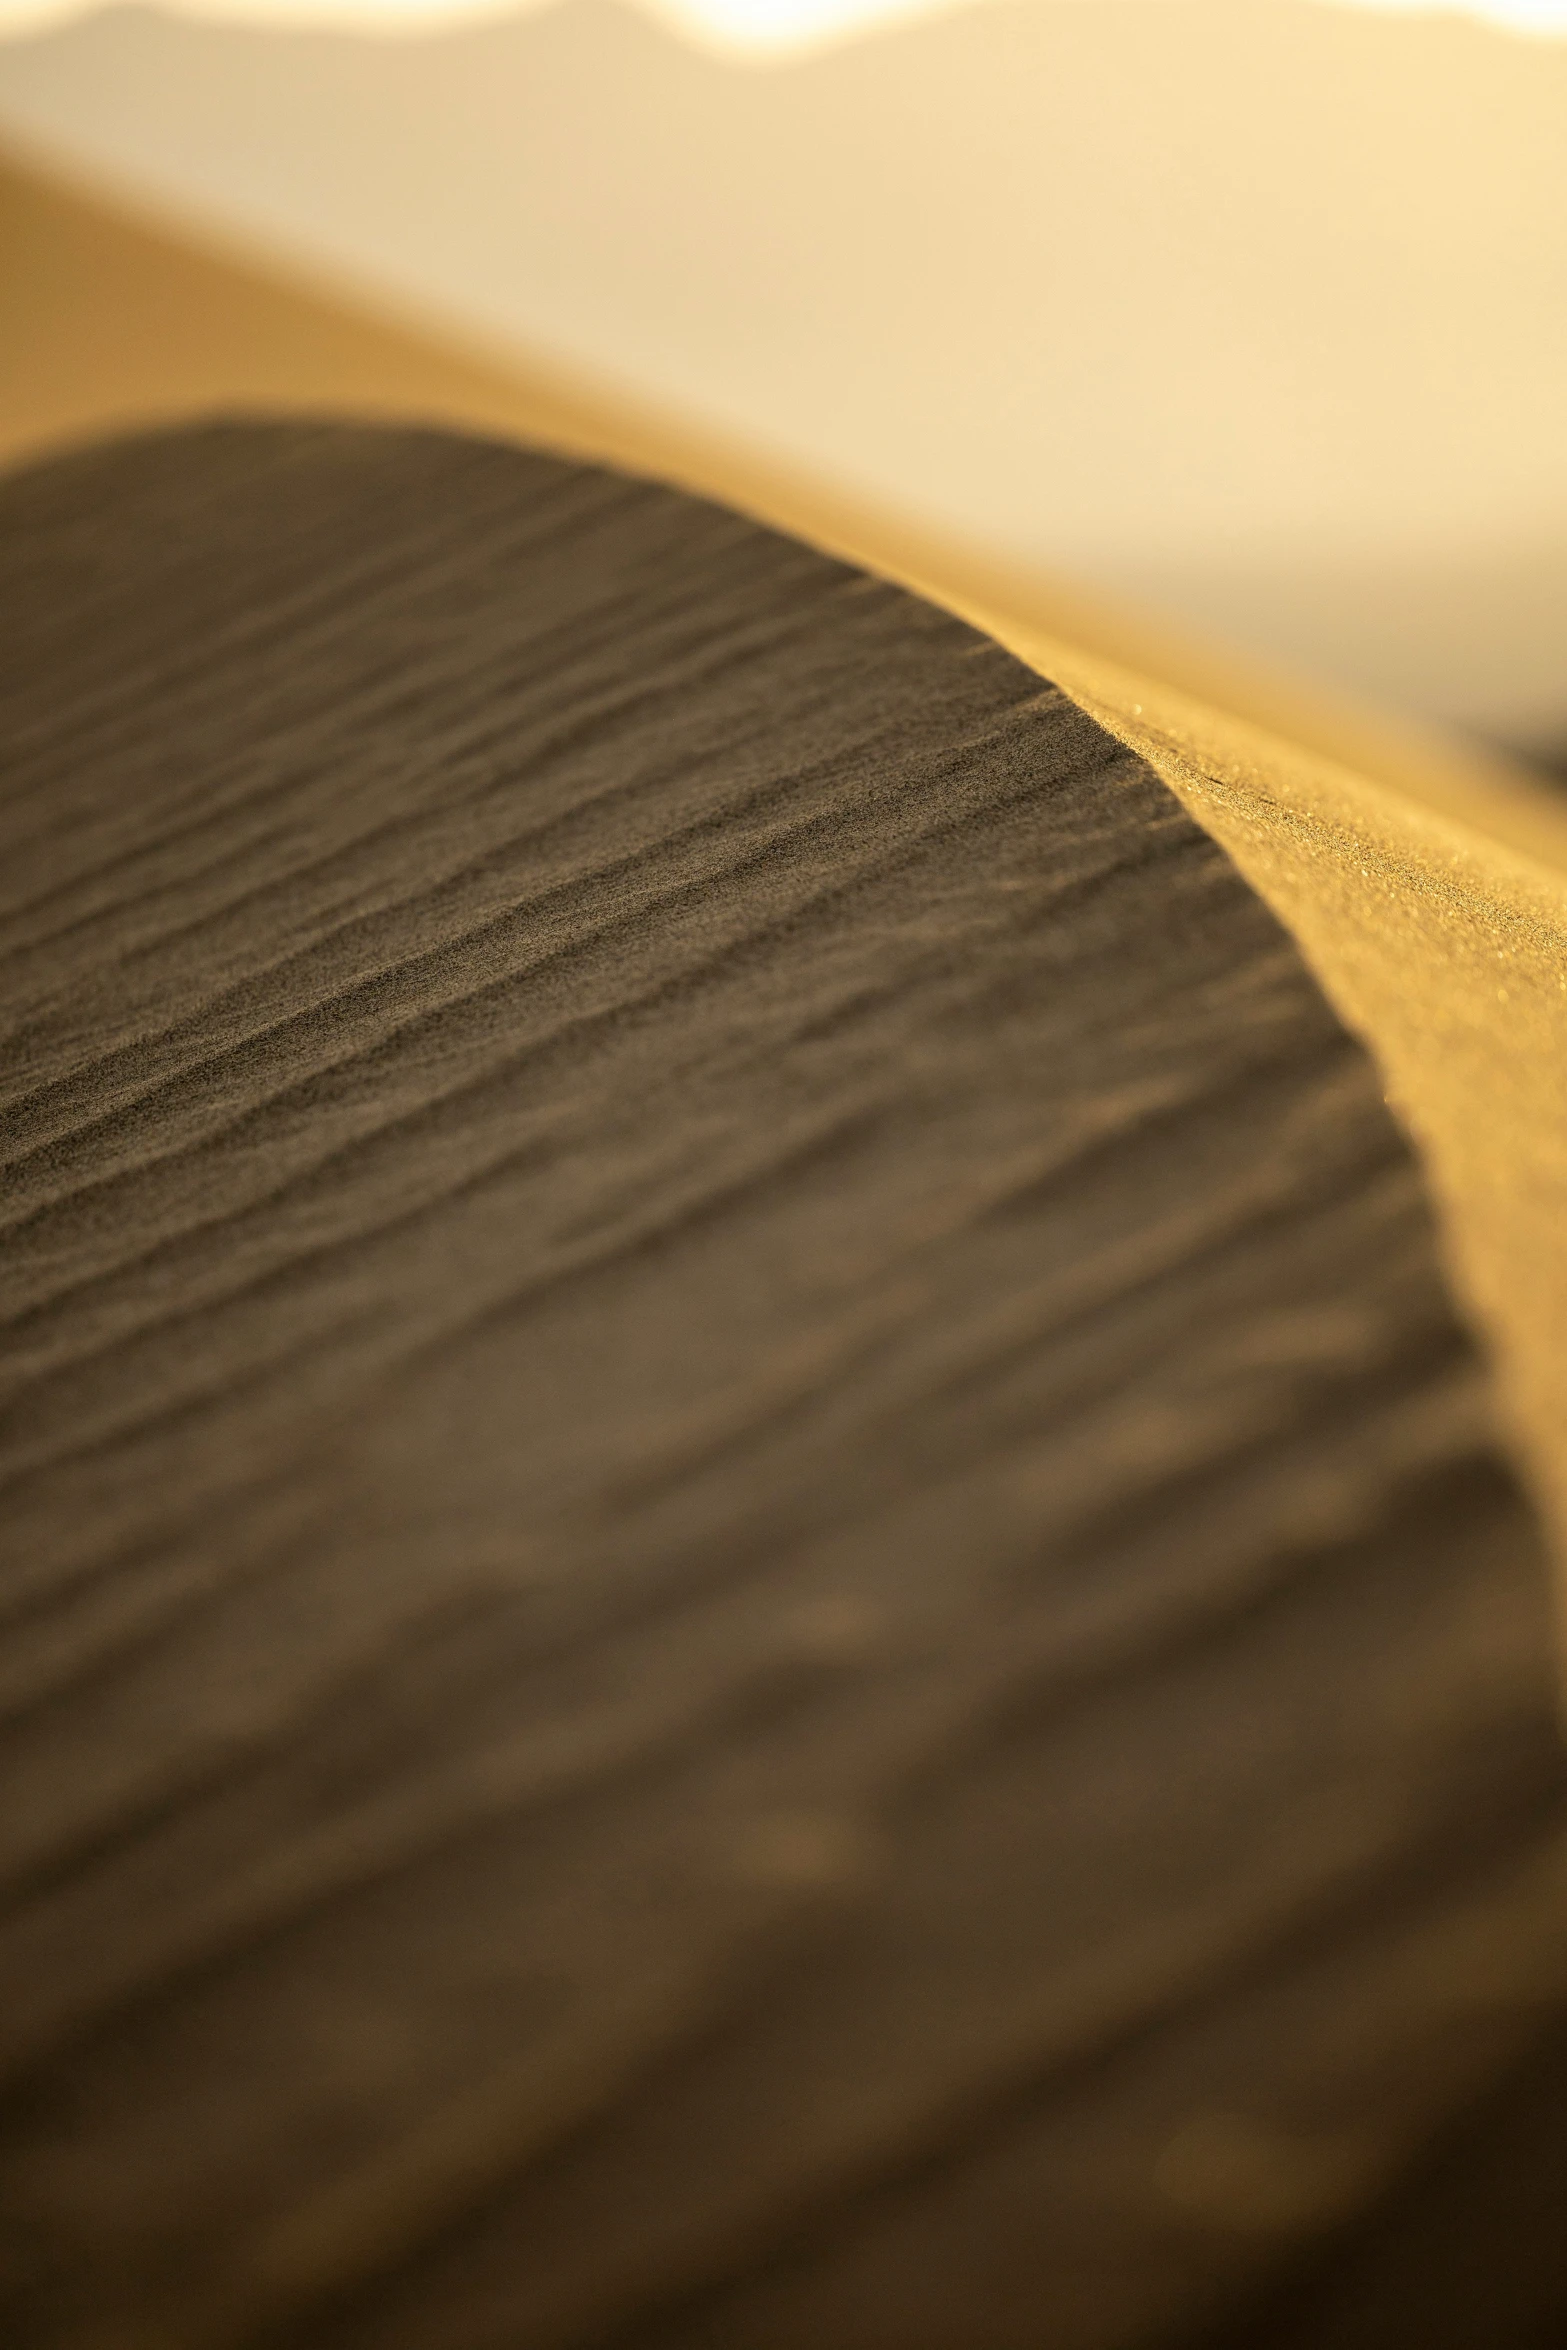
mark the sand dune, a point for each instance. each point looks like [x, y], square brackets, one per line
[1427, 885]
[759, 1590]
[771, 1575]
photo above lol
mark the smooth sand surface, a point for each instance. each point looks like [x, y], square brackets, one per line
[757, 1591]
[1427, 886]
[1072, 282]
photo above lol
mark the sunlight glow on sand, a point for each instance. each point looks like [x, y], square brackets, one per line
[757, 30]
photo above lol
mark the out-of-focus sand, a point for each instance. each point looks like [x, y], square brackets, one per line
[1427, 886]
[1069, 282]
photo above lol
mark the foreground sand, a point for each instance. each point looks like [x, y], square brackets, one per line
[756, 1589]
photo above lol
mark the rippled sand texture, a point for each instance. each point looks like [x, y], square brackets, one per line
[758, 1590]
[1428, 887]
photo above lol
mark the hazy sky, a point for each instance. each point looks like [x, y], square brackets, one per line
[756, 28]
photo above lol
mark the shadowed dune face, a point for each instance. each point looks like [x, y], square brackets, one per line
[758, 1593]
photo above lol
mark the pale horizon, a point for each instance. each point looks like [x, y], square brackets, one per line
[757, 31]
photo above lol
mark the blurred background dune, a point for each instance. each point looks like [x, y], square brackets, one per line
[1251, 311]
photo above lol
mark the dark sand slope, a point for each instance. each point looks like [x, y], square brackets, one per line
[756, 1595]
